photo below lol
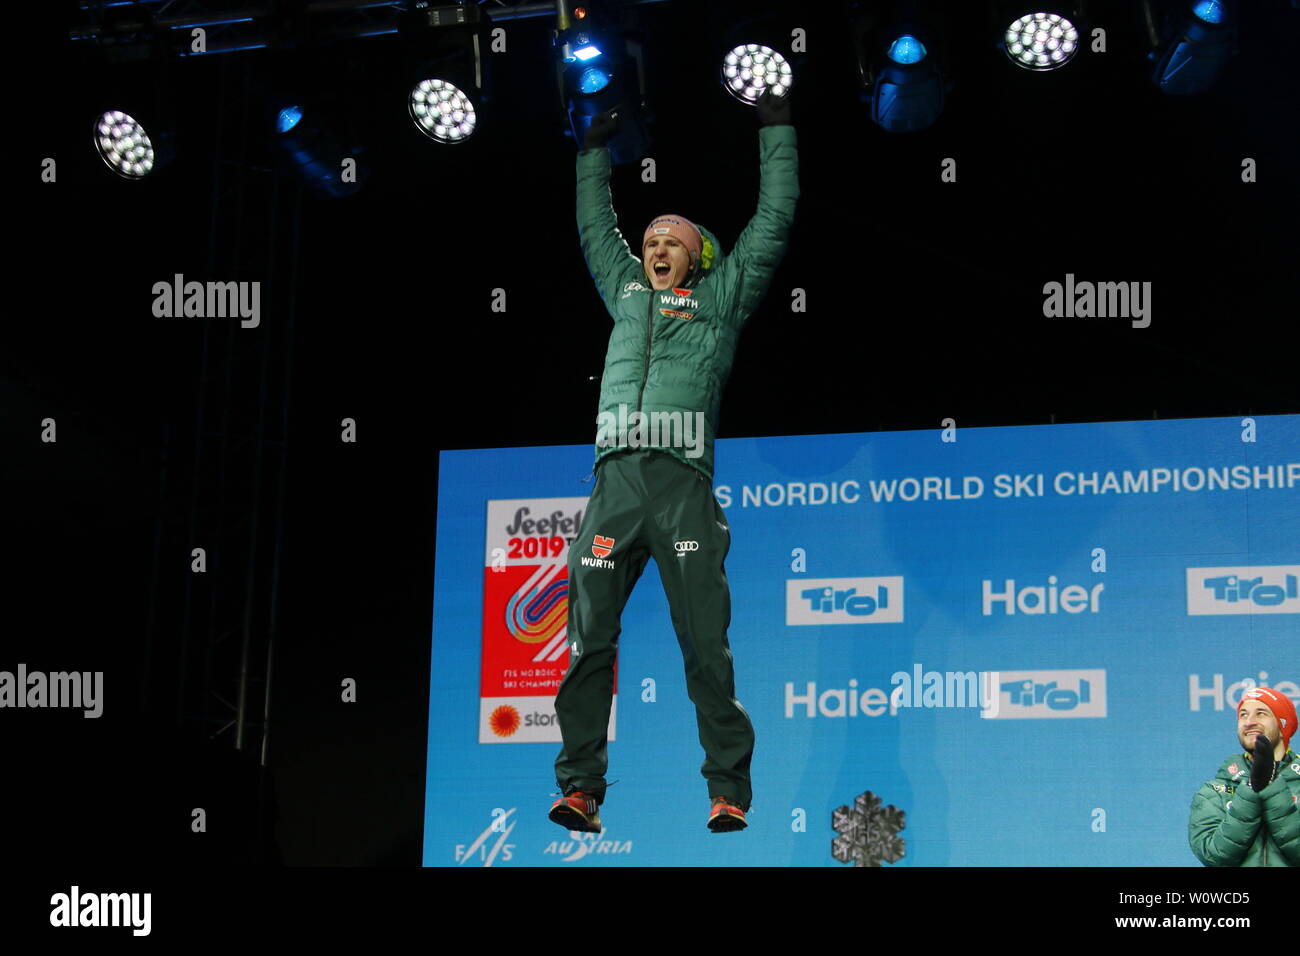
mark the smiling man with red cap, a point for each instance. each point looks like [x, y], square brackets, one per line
[678, 311]
[1249, 814]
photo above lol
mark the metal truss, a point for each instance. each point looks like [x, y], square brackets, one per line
[163, 27]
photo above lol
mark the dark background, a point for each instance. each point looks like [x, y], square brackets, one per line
[924, 302]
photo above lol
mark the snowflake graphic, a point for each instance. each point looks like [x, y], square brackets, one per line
[868, 832]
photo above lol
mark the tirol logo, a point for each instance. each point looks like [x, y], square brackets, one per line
[1246, 590]
[602, 546]
[1050, 694]
[844, 601]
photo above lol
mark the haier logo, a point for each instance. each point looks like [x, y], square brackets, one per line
[1050, 694]
[844, 601]
[1223, 696]
[1035, 599]
[1262, 590]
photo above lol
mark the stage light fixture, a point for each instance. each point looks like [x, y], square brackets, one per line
[442, 111]
[1192, 45]
[1041, 41]
[593, 80]
[288, 118]
[907, 50]
[442, 56]
[123, 145]
[309, 132]
[1209, 10]
[899, 64]
[751, 69]
[598, 68]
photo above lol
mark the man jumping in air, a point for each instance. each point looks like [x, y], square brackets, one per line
[669, 356]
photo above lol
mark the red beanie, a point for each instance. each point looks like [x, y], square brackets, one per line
[1281, 707]
[681, 229]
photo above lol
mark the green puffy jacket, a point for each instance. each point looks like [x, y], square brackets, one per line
[671, 351]
[1232, 825]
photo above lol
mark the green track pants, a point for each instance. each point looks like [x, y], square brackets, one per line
[648, 504]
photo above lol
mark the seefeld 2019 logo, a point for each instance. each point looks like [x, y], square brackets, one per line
[525, 619]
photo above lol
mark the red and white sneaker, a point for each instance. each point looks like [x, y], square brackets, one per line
[725, 815]
[577, 811]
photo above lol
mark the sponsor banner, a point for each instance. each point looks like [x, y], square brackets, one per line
[532, 531]
[1049, 694]
[1249, 590]
[525, 617]
[1219, 693]
[580, 845]
[524, 720]
[844, 601]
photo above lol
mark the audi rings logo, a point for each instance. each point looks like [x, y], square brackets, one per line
[684, 546]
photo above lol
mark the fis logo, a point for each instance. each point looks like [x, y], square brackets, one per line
[1247, 590]
[1050, 694]
[844, 601]
[497, 833]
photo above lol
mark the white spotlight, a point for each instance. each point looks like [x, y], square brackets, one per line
[751, 69]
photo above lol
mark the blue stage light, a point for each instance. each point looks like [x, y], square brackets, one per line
[288, 118]
[593, 80]
[1209, 11]
[1194, 48]
[907, 49]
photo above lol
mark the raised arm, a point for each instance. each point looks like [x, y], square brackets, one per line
[610, 261]
[747, 272]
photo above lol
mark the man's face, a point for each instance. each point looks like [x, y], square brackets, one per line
[1253, 718]
[661, 251]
